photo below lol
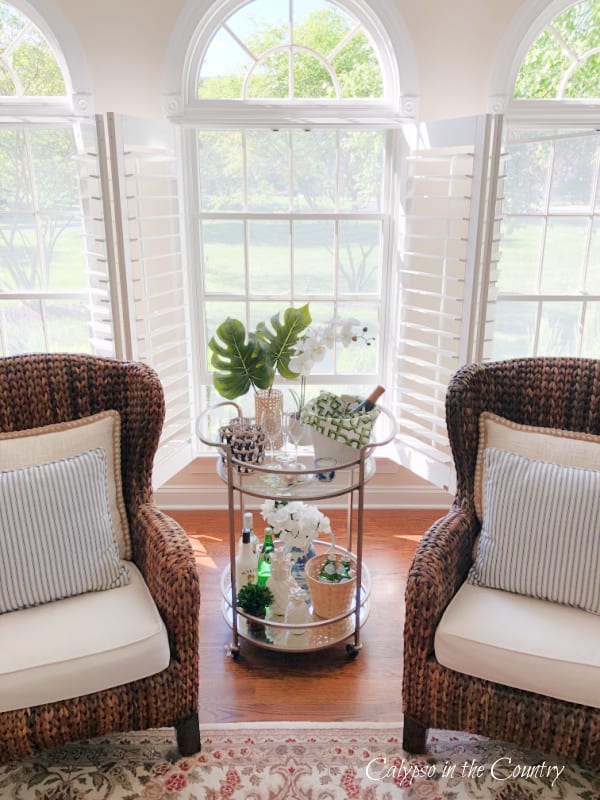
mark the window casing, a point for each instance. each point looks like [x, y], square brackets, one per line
[291, 185]
[53, 264]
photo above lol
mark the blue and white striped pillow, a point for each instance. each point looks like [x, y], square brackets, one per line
[56, 532]
[540, 533]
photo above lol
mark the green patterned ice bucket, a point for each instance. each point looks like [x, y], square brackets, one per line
[336, 433]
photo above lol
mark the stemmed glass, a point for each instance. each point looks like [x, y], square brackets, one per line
[294, 428]
[271, 422]
[284, 457]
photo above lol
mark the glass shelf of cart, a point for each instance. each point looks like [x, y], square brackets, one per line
[317, 634]
[287, 484]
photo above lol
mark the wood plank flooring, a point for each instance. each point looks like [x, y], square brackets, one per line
[263, 685]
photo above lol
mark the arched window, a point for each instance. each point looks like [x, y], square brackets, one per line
[47, 291]
[548, 289]
[294, 109]
[564, 60]
[294, 51]
[28, 65]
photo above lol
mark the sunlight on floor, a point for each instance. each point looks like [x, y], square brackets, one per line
[200, 551]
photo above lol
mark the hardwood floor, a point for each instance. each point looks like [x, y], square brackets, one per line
[263, 685]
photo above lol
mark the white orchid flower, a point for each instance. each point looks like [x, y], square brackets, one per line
[347, 333]
[314, 349]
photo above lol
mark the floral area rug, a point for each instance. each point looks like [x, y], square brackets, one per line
[294, 761]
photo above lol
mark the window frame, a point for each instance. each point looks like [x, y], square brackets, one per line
[388, 113]
[78, 98]
[70, 111]
[541, 114]
[201, 18]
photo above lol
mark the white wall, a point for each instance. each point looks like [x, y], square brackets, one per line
[125, 42]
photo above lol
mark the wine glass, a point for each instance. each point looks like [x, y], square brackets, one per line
[271, 422]
[285, 457]
[294, 428]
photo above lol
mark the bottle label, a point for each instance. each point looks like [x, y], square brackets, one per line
[245, 576]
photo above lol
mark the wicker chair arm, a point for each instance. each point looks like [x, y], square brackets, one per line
[163, 554]
[440, 565]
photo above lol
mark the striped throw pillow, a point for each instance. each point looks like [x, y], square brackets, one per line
[540, 533]
[56, 532]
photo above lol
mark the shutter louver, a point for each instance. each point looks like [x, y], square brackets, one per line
[145, 177]
[103, 307]
[443, 281]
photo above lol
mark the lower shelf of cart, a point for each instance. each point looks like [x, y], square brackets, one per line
[318, 634]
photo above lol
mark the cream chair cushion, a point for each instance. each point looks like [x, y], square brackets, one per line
[523, 642]
[80, 645]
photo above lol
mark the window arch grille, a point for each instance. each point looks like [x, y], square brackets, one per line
[311, 50]
[564, 60]
[548, 289]
[28, 64]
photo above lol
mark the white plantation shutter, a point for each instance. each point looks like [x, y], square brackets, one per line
[106, 332]
[154, 292]
[445, 280]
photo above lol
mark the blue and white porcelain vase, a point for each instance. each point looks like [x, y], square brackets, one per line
[299, 557]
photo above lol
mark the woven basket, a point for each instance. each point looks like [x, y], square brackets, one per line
[329, 599]
[247, 442]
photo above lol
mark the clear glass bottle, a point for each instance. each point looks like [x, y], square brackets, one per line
[264, 559]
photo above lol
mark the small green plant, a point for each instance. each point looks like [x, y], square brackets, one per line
[254, 599]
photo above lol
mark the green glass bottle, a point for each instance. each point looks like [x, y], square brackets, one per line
[328, 572]
[263, 572]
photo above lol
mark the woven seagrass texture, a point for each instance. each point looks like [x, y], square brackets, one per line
[42, 389]
[551, 392]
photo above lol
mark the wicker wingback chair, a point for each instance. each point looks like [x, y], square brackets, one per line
[551, 392]
[42, 389]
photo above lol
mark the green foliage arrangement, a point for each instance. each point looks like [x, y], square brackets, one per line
[252, 359]
[254, 599]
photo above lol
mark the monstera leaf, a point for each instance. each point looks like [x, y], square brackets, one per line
[241, 361]
[281, 340]
[250, 359]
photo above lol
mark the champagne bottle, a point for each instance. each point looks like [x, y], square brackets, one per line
[245, 563]
[247, 525]
[368, 404]
[263, 572]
